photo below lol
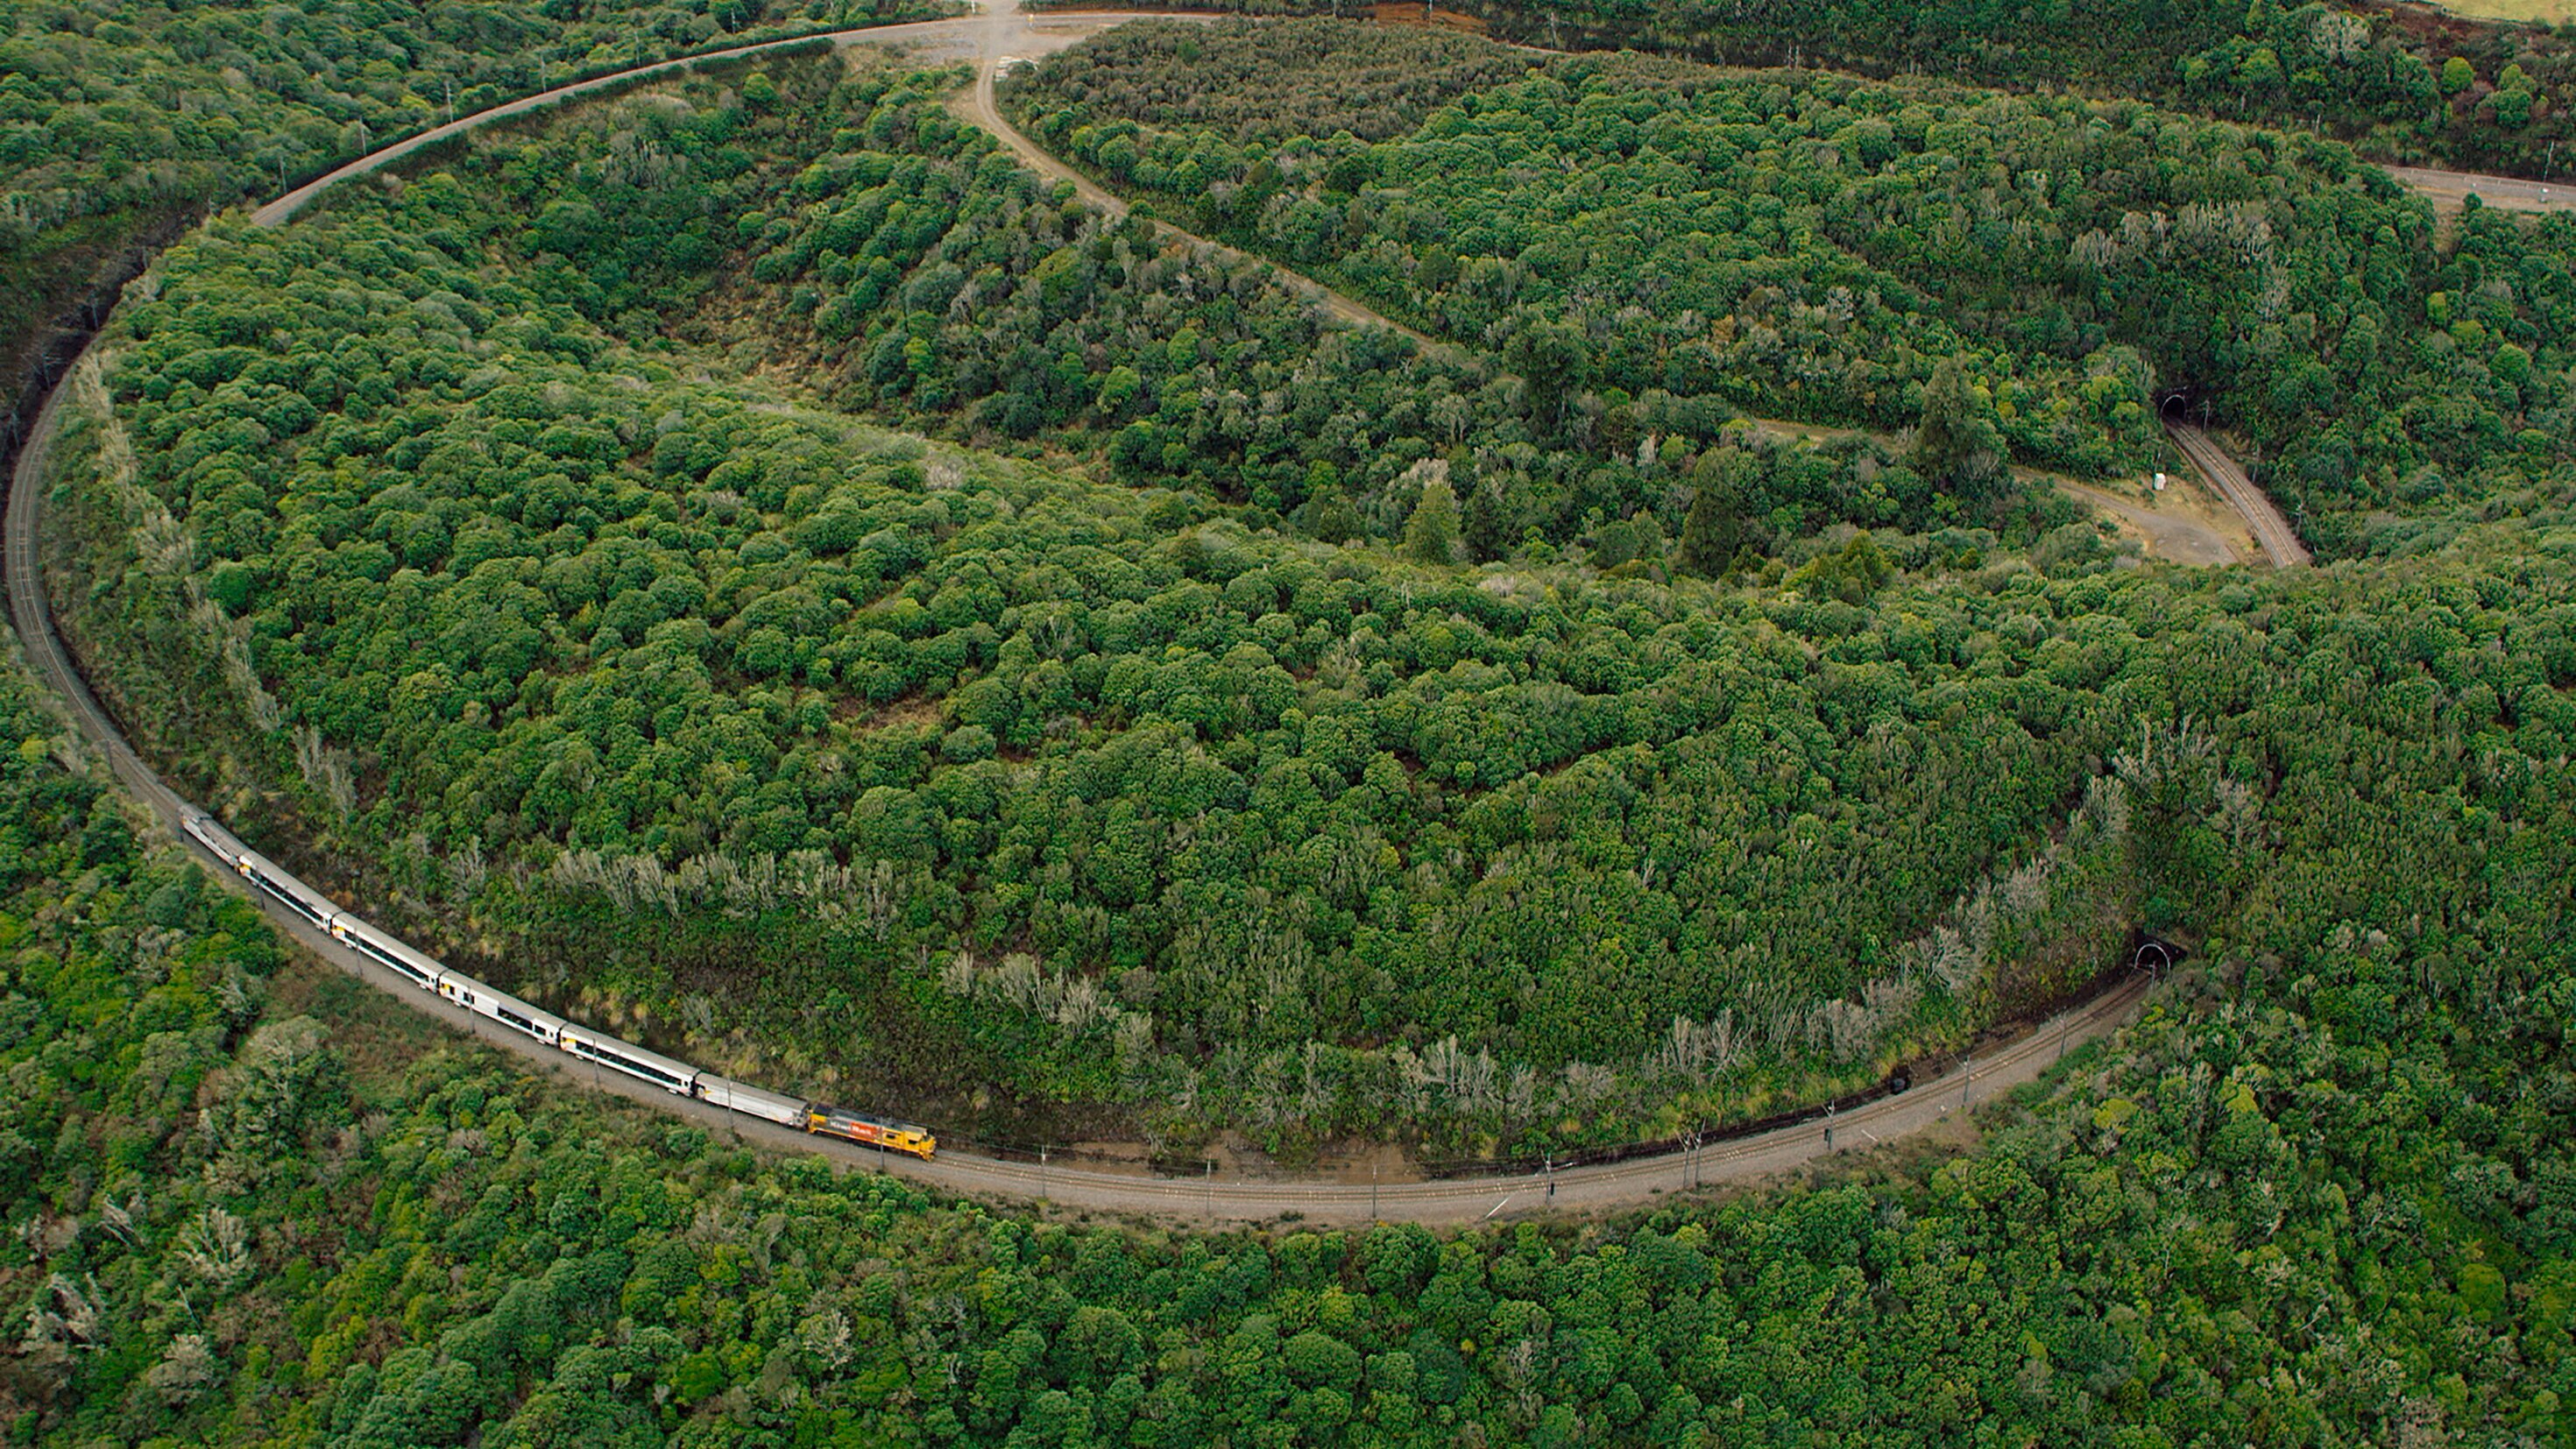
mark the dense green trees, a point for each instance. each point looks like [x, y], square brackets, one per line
[2406, 85]
[1431, 531]
[116, 119]
[1714, 533]
[2323, 1193]
[1649, 247]
[680, 700]
[1068, 765]
[902, 259]
[442, 545]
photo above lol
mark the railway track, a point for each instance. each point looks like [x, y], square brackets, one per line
[1210, 1199]
[2272, 532]
[2449, 190]
[1602, 1188]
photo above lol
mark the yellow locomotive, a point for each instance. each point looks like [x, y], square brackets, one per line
[859, 1127]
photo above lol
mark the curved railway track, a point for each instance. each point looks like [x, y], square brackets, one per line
[2279, 542]
[977, 105]
[1210, 1199]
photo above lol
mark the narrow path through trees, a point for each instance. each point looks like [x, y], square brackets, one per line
[976, 104]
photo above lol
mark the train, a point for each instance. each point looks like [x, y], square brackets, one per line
[600, 1049]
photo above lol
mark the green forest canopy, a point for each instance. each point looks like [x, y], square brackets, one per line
[118, 117]
[2411, 84]
[1651, 247]
[1117, 798]
[2323, 1193]
[407, 507]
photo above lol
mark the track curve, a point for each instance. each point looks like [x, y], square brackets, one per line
[284, 208]
[1232, 1199]
[2272, 532]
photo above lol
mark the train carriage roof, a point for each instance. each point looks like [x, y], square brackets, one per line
[575, 1031]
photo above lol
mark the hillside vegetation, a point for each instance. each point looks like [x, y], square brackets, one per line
[864, 764]
[909, 270]
[2323, 1194]
[2407, 83]
[987, 752]
[117, 119]
[1650, 246]
[749, 567]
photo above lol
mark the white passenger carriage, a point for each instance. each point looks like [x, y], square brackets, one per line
[263, 872]
[677, 1078]
[421, 971]
[752, 1101]
[508, 1010]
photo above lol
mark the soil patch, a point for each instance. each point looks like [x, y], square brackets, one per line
[1395, 12]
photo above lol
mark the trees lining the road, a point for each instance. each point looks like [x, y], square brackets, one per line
[117, 119]
[439, 549]
[2409, 85]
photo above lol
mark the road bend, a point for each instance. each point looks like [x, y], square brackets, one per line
[2279, 542]
[1211, 1199]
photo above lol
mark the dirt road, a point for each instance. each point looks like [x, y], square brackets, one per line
[1002, 31]
[2172, 535]
[286, 206]
[1008, 34]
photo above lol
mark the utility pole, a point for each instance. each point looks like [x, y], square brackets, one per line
[1829, 1128]
[1373, 1192]
[1967, 1075]
[1211, 1189]
[1042, 1182]
[451, 100]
